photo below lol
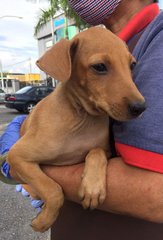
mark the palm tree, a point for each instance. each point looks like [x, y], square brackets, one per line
[55, 6]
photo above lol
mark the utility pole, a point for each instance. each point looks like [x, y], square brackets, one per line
[52, 30]
[30, 69]
[2, 79]
[66, 27]
[52, 25]
[53, 40]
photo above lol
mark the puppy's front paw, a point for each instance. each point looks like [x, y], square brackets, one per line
[50, 211]
[41, 224]
[92, 192]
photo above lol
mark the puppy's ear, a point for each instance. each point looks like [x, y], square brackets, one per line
[57, 60]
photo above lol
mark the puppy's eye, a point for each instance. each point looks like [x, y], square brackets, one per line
[99, 67]
[132, 66]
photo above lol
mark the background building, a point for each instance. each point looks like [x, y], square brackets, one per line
[46, 39]
[13, 82]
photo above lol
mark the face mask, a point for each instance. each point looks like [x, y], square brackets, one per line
[94, 11]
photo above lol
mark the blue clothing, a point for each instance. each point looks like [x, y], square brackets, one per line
[11, 134]
[146, 133]
[8, 138]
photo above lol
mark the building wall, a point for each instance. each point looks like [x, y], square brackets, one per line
[44, 36]
[10, 85]
[42, 49]
[24, 77]
[32, 77]
[14, 82]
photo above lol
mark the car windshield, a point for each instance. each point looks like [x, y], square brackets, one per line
[24, 90]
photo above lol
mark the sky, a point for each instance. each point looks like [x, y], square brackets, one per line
[17, 43]
[161, 4]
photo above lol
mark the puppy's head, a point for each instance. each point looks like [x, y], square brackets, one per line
[99, 67]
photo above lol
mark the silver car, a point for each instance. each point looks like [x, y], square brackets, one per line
[2, 96]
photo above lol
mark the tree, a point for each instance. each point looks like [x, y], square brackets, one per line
[56, 6]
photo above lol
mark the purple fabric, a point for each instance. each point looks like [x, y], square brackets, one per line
[94, 11]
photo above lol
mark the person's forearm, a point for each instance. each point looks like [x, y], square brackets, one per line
[130, 190]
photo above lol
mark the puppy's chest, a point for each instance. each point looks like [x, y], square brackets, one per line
[77, 143]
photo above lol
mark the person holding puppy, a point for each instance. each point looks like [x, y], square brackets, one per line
[134, 176]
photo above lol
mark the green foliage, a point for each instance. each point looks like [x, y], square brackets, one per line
[43, 19]
[62, 6]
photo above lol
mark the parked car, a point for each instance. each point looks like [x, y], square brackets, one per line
[2, 96]
[25, 99]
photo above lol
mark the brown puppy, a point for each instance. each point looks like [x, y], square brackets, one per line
[71, 124]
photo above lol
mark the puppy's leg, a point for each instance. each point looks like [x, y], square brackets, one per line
[47, 190]
[93, 186]
[31, 191]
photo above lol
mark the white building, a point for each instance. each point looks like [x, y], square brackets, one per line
[46, 39]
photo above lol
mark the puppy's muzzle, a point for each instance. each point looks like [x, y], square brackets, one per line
[135, 109]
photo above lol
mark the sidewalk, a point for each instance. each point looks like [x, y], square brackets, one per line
[21, 214]
[2, 128]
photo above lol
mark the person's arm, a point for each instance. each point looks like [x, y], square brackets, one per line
[130, 190]
[7, 140]
[11, 134]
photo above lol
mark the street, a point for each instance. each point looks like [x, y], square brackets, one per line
[6, 115]
[16, 211]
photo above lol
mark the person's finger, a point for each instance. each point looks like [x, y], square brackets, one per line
[37, 203]
[18, 188]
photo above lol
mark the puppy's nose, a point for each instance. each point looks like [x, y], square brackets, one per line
[135, 109]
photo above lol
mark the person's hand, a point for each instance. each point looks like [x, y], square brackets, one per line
[7, 140]
[10, 136]
[35, 203]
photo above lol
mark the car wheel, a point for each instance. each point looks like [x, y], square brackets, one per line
[29, 107]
